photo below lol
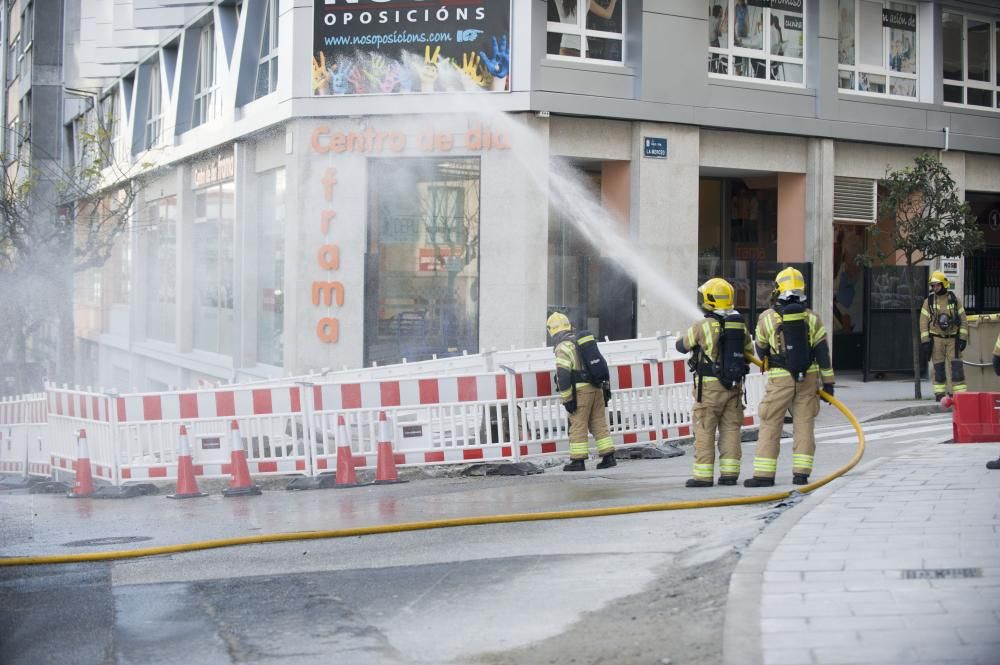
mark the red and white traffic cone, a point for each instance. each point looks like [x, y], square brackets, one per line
[240, 484]
[187, 485]
[84, 485]
[385, 472]
[345, 476]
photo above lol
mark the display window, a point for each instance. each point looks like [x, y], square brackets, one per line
[213, 268]
[878, 48]
[761, 40]
[271, 268]
[970, 63]
[160, 235]
[422, 261]
[591, 30]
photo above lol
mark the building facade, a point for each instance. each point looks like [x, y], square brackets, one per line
[332, 184]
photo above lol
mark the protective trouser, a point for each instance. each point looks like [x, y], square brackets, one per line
[949, 374]
[723, 410]
[589, 415]
[782, 392]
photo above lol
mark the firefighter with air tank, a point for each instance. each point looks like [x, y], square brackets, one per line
[583, 383]
[792, 343]
[719, 345]
[944, 332]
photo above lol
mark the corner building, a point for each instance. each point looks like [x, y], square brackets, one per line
[331, 184]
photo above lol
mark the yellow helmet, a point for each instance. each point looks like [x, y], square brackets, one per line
[790, 282]
[557, 323]
[715, 294]
[938, 277]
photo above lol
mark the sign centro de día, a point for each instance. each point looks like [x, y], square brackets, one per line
[211, 171]
[324, 293]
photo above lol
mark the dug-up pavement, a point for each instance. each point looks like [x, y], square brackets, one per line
[898, 562]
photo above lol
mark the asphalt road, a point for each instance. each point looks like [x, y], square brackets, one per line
[643, 588]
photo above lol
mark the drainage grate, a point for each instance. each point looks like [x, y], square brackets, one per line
[941, 573]
[114, 540]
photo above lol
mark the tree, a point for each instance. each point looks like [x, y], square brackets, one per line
[930, 222]
[57, 217]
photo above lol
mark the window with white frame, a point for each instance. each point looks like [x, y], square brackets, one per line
[154, 111]
[757, 39]
[267, 63]
[878, 47]
[27, 26]
[971, 60]
[205, 82]
[586, 30]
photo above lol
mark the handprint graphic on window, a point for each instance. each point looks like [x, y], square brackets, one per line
[320, 76]
[473, 75]
[429, 72]
[499, 65]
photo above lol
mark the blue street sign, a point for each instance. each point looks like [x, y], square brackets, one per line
[654, 147]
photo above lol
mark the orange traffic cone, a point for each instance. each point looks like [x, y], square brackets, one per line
[385, 472]
[240, 484]
[187, 485]
[345, 476]
[84, 485]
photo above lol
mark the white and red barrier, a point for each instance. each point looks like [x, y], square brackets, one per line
[23, 423]
[293, 430]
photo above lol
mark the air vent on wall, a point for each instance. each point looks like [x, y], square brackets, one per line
[854, 199]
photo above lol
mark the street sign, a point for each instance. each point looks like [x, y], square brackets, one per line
[654, 147]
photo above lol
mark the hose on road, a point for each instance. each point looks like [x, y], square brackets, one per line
[89, 557]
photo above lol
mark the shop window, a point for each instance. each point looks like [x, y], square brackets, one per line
[757, 39]
[878, 48]
[267, 63]
[970, 60]
[213, 268]
[422, 263]
[161, 265]
[271, 267]
[154, 114]
[589, 30]
[205, 82]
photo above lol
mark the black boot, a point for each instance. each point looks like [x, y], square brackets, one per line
[575, 465]
[727, 480]
[758, 482]
[938, 397]
[993, 464]
[698, 483]
[800, 479]
[607, 461]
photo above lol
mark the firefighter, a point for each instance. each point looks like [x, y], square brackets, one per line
[995, 464]
[585, 403]
[719, 346]
[944, 333]
[791, 340]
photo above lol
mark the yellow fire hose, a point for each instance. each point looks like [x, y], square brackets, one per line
[442, 524]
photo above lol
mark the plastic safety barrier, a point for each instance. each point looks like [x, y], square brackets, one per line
[293, 430]
[976, 418]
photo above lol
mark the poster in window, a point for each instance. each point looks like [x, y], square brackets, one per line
[380, 47]
[902, 40]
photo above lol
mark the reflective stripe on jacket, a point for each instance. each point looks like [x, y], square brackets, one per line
[944, 303]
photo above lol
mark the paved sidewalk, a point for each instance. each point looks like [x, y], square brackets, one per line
[897, 564]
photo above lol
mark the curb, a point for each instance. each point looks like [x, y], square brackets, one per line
[907, 411]
[741, 642]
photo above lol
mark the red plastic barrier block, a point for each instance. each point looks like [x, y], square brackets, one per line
[976, 417]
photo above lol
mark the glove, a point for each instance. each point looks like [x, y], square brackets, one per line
[570, 405]
[607, 395]
[996, 364]
[961, 344]
[828, 389]
[925, 351]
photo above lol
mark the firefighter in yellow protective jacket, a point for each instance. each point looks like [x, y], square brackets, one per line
[584, 402]
[719, 345]
[944, 332]
[995, 464]
[791, 339]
